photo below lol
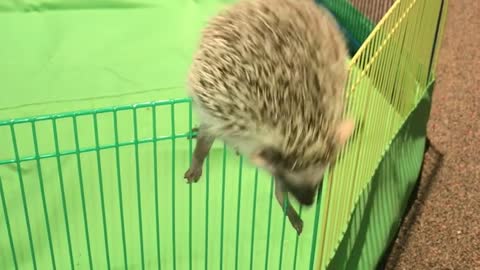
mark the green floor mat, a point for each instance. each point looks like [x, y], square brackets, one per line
[69, 59]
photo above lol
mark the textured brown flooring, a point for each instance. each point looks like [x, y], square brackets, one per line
[442, 229]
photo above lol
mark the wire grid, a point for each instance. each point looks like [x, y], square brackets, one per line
[103, 189]
[356, 26]
[374, 10]
[388, 76]
[358, 17]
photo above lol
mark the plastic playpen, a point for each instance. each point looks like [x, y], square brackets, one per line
[93, 142]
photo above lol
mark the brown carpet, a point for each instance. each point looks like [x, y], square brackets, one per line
[442, 229]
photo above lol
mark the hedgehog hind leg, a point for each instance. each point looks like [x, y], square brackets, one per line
[202, 148]
[282, 198]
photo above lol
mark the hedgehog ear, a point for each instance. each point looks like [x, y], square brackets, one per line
[345, 130]
[267, 157]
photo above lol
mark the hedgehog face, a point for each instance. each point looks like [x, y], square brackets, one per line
[302, 182]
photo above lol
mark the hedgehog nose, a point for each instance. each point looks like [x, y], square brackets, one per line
[305, 196]
[306, 200]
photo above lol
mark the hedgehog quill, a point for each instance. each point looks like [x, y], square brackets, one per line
[268, 79]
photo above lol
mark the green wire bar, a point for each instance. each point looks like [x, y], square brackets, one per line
[156, 185]
[120, 193]
[282, 241]
[267, 248]
[252, 238]
[190, 206]
[82, 191]
[7, 224]
[24, 200]
[139, 194]
[239, 203]
[62, 188]
[174, 243]
[207, 205]
[222, 205]
[42, 191]
[100, 183]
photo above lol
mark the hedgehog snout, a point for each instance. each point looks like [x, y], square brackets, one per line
[304, 194]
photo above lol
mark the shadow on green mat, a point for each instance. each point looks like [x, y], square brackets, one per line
[390, 258]
[369, 232]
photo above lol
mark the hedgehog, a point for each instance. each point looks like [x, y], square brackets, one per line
[268, 80]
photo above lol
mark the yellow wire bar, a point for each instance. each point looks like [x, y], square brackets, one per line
[388, 76]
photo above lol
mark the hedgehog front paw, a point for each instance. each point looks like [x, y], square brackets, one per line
[193, 174]
[297, 224]
[193, 133]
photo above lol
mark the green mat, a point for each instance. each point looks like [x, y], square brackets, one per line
[80, 56]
